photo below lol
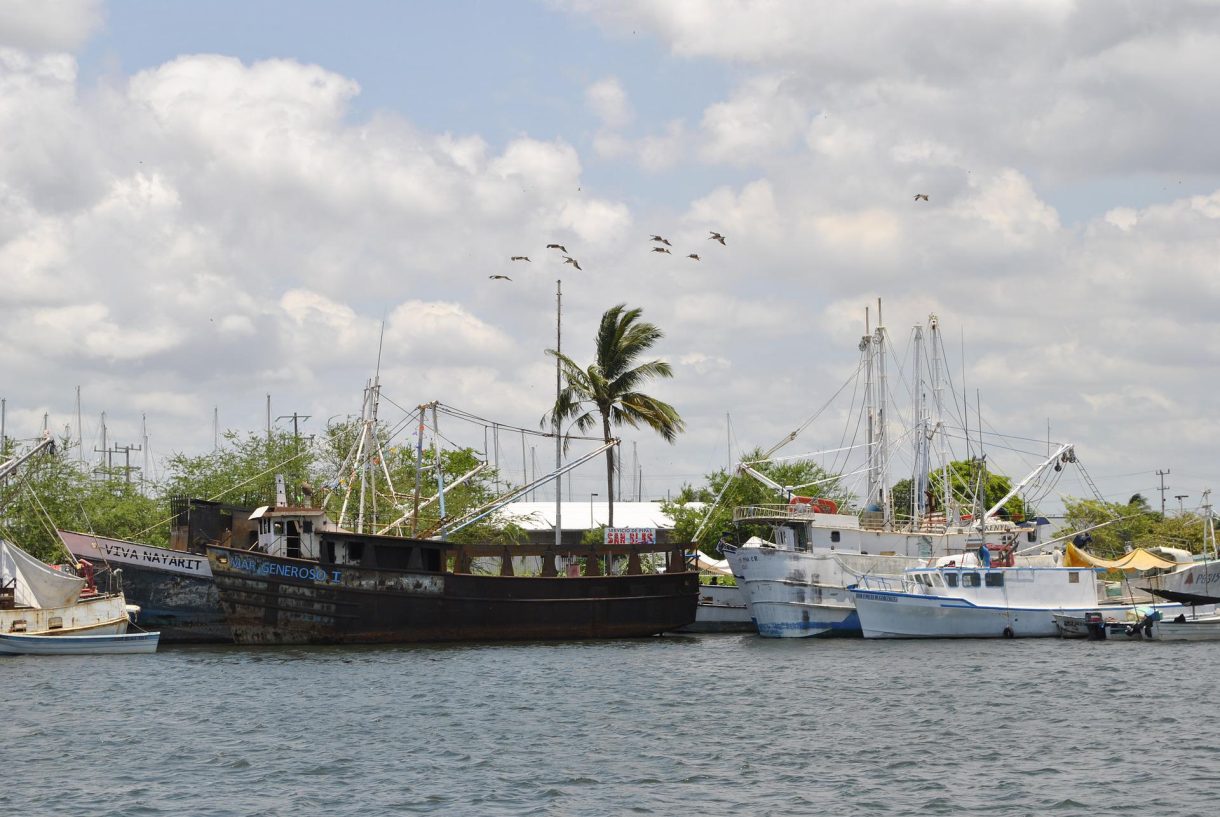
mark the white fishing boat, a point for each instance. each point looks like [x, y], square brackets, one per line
[1196, 582]
[796, 581]
[126, 644]
[36, 598]
[968, 598]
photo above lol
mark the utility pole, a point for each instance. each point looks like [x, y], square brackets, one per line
[296, 429]
[1181, 508]
[1164, 488]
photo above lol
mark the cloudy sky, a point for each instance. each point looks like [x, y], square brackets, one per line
[202, 204]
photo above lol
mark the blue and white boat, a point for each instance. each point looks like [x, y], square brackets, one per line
[129, 643]
[967, 597]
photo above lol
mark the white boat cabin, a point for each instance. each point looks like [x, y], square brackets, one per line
[1036, 587]
[805, 525]
[294, 532]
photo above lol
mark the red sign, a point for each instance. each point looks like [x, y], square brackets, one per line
[631, 536]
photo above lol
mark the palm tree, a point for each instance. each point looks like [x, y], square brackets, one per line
[608, 387]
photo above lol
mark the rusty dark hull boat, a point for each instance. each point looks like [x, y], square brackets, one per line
[366, 589]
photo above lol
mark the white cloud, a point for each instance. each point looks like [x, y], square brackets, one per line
[208, 231]
[35, 25]
[608, 101]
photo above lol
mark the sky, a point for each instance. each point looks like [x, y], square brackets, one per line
[205, 204]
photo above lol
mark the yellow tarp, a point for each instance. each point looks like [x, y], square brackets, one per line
[1138, 559]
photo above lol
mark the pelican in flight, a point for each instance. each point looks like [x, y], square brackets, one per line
[715, 237]
[519, 258]
[694, 256]
[567, 259]
[662, 240]
[499, 277]
[660, 249]
[559, 247]
[919, 196]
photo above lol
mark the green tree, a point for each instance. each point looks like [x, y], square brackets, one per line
[51, 491]
[243, 470]
[608, 389]
[963, 480]
[739, 489]
[1129, 526]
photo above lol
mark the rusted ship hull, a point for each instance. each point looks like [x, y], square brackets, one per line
[280, 600]
[173, 589]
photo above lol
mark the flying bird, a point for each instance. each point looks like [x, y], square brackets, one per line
[519, 258]
[715, 237]
[660, 249]
[499, 277]
[567, 259]
[662, 240]
[919, 196]
[559, 247]
[694, 256]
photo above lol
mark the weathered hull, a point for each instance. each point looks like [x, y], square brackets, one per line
[722, 609]
[173, 589]
[184, 609]
[100, 615]
[276, 600]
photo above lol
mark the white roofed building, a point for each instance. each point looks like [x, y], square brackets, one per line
[538, 518]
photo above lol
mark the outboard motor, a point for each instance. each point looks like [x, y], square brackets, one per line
[1095, 626]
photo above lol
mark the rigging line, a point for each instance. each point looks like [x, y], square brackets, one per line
[474, 418]
[830, 479]
[46, 519]
[155, 525]
[851, 412]
[794, 434]
[838, 464]
[796, 456]
[997, 446]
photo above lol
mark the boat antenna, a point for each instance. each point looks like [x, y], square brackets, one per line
[554, 414]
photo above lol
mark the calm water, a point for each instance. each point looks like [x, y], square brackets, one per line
[700, 725]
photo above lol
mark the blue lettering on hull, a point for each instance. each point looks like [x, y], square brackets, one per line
[259, 567]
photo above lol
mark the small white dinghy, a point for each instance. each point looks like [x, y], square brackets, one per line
[20, 644]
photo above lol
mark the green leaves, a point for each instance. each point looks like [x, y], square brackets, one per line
[608, 389]
[736, 490]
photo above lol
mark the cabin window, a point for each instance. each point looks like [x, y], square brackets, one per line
[355, 552]
[329, 547]
[307, 526]
[995, 579]
[278, 527]
[936, 580]
[970, 580]
[951, 579]
[264, 526]
[1073, 578]
[834, 536]
[55, 623]
[1032, 536]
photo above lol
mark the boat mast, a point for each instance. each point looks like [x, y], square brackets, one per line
[938, 391]
[555, 417]
[440, 474]
[919, 480]
[419, 469]
[1210, 525]
[883, 454]
[866, 348]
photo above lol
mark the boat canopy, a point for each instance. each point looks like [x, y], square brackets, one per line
[1138, 559]
[37, 584]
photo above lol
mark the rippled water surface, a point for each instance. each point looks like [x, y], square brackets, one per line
[698, 725]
